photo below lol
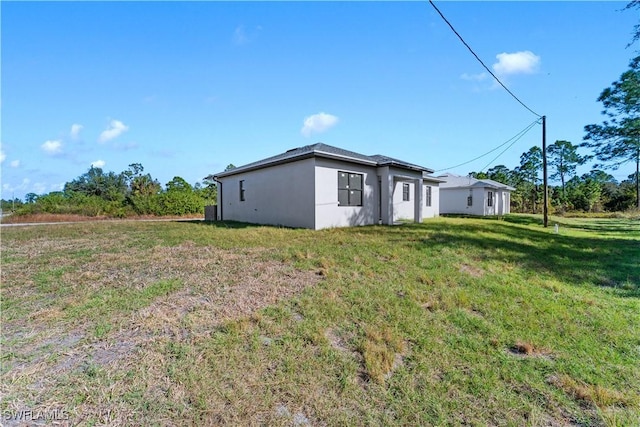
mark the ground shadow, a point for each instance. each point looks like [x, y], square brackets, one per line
[612, 263]
[620, 225]
[228, 224]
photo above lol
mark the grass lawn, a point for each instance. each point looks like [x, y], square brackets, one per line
[455, 321]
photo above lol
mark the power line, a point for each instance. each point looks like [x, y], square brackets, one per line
[503, 151]
[516, 137]
[480, 60]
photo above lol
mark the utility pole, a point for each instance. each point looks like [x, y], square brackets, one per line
[545, 210]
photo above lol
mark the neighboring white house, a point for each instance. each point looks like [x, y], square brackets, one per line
[467, 195]
[320, 186]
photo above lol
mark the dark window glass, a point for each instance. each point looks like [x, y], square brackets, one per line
[350, 189]
[343, 197]
[343, 180]
[355, 181]
[405, 192]
[355, 197]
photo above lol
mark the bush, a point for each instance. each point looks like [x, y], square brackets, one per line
[181, 203]
[145, 204]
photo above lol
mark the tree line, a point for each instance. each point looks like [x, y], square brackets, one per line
[595, 191]
[118, 195]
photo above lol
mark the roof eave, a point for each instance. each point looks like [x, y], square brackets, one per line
[323, 154]
[293, 158]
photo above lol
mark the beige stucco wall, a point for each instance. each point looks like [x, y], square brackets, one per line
[278, 195]
[327, 212]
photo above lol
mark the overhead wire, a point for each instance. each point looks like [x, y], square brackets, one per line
[510, 145]
[514, 138]
[480, 60]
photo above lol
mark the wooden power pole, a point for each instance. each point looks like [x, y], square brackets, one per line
[545, 199]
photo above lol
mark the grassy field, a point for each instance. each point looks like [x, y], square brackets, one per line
[450, 322]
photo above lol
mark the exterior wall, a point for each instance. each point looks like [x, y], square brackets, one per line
[454, 201]
[505, 203]
[327, 212]
[501, 202]
[278, 195]
[403, 210]
[400, 209]
[433, 210]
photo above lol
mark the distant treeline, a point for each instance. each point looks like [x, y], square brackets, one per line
[119, 195]
[596, 191]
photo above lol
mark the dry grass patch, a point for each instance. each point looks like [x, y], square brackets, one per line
[600, 397]
[383, 352]
[46, 217]
[379, 354]
[94, 317]
[50, 218]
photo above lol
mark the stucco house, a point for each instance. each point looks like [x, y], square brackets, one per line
[320, 186]
[467, 195]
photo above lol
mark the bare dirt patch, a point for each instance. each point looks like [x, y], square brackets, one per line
[471, 270]
[526, 349]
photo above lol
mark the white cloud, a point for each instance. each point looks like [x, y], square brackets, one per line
[52, 146]
[474, 77]
[318, 123]
[75, 130]
[114, 130]
[3, 156]
[525, 62]
[23, 186]
[15, 163]
[243, 36]
[98, 164]
[240, 36]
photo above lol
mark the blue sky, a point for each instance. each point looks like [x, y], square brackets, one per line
[185, 88]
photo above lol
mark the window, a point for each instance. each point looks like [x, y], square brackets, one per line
[427, 197]
[490, 198]
[405, 193]
[242, 190]
[349, 189]
[470, 200]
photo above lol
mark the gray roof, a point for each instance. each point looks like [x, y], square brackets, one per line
[327, 151]
[456, 181]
